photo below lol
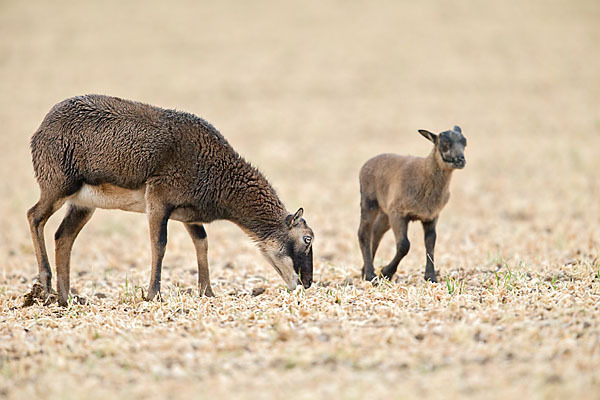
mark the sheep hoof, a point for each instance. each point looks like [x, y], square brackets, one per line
[39, 294]
[370, 277]
[431, 278]
[152, 297]
[385, 273]
[208, 292]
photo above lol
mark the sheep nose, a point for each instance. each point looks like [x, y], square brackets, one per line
[306, 283]
[460, 161]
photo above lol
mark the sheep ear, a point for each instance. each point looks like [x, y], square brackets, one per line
[293, 220]
[457, 129]
[432, 137]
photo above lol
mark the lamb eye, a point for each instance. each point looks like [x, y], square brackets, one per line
[307, 240]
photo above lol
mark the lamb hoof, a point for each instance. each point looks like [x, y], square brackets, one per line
[371, 277]
[431, 278]
[385, 273]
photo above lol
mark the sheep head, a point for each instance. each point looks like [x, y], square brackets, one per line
[450, 145]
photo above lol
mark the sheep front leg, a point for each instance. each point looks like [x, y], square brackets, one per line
[430, 237]
[158, 217]
[198, 235]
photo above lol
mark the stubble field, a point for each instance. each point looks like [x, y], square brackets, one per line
[308, 93]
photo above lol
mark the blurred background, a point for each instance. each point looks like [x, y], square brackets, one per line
[308, 91]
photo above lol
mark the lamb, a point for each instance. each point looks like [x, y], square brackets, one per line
[396, 190]
[97, 151]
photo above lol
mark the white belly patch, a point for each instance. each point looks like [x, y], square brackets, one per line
[110, 197]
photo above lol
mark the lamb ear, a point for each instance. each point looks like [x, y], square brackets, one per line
[457, 129]
[293, 220]
[432, 137]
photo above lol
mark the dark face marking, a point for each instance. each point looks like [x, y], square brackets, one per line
[299, 249]
[451, 145]
[303, 265]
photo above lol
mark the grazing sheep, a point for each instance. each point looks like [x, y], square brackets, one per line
[397, 189]
[104, 152]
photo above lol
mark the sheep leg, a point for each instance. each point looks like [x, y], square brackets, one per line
[158, 217]
[400, 229]
[37, 216]
[198, 235]
[430, 237]
[64, 237]
[365, 234]
[382, 225]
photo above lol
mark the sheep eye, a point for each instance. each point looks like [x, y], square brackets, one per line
[307, 240]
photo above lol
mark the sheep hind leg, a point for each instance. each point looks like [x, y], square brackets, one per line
[365, 235]
[65, 235]
[37, 216]
[400, 229]
[382, 225]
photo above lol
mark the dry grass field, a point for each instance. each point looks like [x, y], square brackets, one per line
[308, 91]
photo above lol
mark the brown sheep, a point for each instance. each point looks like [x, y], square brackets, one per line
[398, 189]
[104, 152]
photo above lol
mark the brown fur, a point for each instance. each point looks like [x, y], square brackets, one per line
[99, 151]
[398, 189]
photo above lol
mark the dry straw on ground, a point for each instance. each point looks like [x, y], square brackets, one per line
[308, 93]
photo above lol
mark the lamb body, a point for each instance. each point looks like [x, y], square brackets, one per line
[396, 190]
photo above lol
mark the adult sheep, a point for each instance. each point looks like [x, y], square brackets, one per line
[97, 151]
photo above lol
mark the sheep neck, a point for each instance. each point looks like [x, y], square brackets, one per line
[262, 215]
[437, 173]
